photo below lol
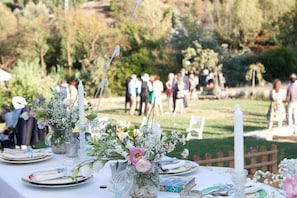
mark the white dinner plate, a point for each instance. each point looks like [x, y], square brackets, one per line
[257, 193]
[26, 161]
[187, 168]
[56, 183]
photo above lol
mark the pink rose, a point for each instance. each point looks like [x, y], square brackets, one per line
[290, 186]
[143, 165]
[135, 155]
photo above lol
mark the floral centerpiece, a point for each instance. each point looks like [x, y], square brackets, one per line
[286, 178]
[60, 116]
[139, 147]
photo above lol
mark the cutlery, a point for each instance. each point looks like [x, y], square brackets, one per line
[51, 171]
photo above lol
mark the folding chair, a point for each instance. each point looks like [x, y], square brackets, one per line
[196, 126]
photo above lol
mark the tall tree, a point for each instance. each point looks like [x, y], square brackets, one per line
[35, 27]
[8, 37]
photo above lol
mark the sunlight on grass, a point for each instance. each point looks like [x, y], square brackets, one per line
[218, 130]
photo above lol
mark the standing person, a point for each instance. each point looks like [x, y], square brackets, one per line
[151, 93]
[63, 89]
[158, 88]
[174, 91]
[276, 111]
[179, 92]
[291, 100]
[138, 88]
[133, 88]
[146, 87]
[193, 83]
[169, 89]
[127, 98]
[73, 93]
[187, 86]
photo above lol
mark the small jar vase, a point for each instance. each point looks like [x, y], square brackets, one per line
[58, 138]
[146, 185]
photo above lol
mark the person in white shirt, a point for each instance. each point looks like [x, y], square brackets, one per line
[133, 89]
[63, 89]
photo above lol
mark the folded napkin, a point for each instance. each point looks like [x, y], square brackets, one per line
[174, 165]
[16, 155]
[23, 156]
[252, 187]
[45, 175]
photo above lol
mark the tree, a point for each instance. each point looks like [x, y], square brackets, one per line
[8, 37]
[196, 59]
[286, 27]
[35, 27]
[255, 72]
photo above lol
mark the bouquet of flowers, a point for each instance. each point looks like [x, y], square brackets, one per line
[139, 146]
[57, 113]
[286, 178]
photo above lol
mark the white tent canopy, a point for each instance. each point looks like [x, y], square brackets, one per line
[4, 76]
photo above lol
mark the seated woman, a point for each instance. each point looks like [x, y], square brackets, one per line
[6, 136]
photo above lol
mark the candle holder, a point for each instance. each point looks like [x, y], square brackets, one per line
[82, 142]
[239, 180]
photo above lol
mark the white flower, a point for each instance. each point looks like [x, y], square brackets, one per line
[117, 142]
[56, 113]
[286, 168]
[143, 165]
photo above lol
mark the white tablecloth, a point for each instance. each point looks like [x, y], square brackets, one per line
[11, 185]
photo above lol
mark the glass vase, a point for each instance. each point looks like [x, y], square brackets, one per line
[146, 185]
[57, 140]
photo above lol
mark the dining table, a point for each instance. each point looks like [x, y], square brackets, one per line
[99, 184]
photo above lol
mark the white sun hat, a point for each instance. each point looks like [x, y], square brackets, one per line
[19, 102]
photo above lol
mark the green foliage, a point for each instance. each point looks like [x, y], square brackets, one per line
[235, 69]
[77, 43]
[286, 26]
[196, 59]
[27, 81]
[256, 69]
[279, 63]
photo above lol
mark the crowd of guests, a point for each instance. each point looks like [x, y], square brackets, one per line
[146, 93]
[280, 99]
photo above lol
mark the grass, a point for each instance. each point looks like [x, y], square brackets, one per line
[218, 130]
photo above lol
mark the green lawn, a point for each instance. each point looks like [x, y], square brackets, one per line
[218, 130]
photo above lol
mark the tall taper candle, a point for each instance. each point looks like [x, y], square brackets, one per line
[81, 105]
[238, 140]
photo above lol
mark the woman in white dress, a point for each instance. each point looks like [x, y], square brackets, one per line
[276, 111]
[158, 89]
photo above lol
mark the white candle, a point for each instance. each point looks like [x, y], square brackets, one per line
[81, 106]
[238, 139]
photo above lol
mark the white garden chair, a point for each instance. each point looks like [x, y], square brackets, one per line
[196, 126]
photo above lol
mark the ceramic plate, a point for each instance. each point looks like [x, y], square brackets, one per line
[26, 160]
[259, 193]
[189, 167]
[56, 183]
